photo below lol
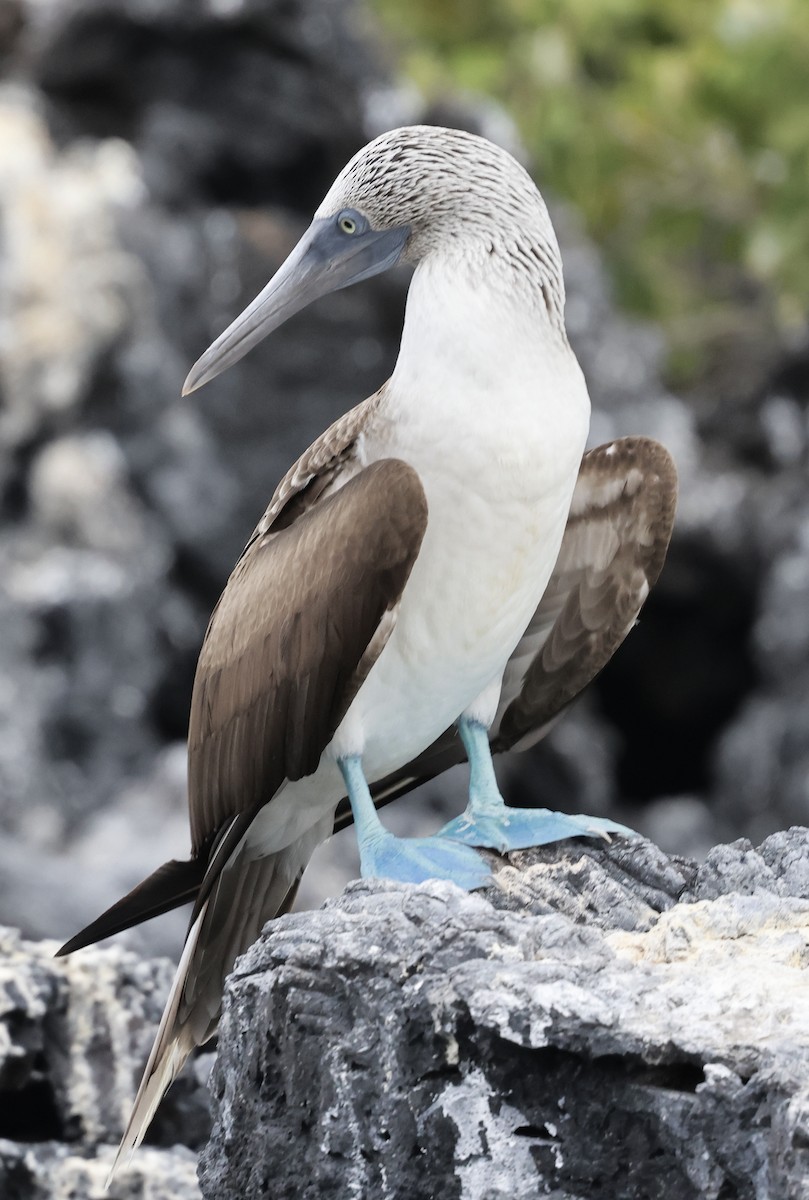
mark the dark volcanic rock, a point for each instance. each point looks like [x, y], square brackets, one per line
[53, 1171]
[224, 102]
[589, 1028]
[602, 1023]
[74, 1034]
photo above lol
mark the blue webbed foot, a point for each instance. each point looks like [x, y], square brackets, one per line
[489, 822]
[519, 828]
[412, 860]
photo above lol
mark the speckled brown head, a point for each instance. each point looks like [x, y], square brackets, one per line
[416, 192]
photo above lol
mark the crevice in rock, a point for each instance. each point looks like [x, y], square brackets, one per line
[591, 1104]
[31, 1114]
[14, 496]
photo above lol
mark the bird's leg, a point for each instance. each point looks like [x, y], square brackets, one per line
[488, 821]
[410, 860]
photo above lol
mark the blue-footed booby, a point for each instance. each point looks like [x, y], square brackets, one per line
[438, 576]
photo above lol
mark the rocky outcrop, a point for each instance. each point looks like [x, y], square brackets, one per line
[74, 1034]
[52, 1171]
[600, 1024]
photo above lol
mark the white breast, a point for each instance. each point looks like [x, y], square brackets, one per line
[496, 431]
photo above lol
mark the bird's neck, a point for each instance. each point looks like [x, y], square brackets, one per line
[480, 333]
[482, 372]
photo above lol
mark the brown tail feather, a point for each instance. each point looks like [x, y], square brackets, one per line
[247, 893]
[168, 887]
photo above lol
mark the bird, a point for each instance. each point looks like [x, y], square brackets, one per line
[435, 579]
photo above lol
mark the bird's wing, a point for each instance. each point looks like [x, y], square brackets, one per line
[305, 613]
[612, 552]
[303, 617]
[328, 463]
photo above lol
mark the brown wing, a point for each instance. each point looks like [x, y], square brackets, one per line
[290, 639]
[611, 555]
[300, 623]
[329, 462]
[615, 543]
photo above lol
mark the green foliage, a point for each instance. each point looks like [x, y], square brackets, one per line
[680, 129]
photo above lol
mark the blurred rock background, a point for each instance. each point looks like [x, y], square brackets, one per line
[157, 162]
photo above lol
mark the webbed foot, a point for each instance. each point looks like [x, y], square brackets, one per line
[519, 828]
[410, 860]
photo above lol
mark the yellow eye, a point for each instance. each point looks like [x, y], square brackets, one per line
[347, 224]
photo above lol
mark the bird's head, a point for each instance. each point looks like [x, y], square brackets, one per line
[411, 193]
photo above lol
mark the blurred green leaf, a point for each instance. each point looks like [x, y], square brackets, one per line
[679, 129]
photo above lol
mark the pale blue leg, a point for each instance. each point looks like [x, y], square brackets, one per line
[410, 860]
[488, 821]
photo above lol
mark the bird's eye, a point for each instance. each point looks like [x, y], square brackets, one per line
[347, 224]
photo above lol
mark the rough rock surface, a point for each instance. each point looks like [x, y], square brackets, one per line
[74, 1034]
[52, 1171]
[600, 1024]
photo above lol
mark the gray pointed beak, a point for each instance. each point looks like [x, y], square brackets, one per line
[323, 261]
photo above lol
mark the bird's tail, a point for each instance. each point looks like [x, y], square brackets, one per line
[248, 892]
[172, 1046]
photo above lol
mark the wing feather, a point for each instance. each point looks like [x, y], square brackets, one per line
[612, 553]
[290, 638]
